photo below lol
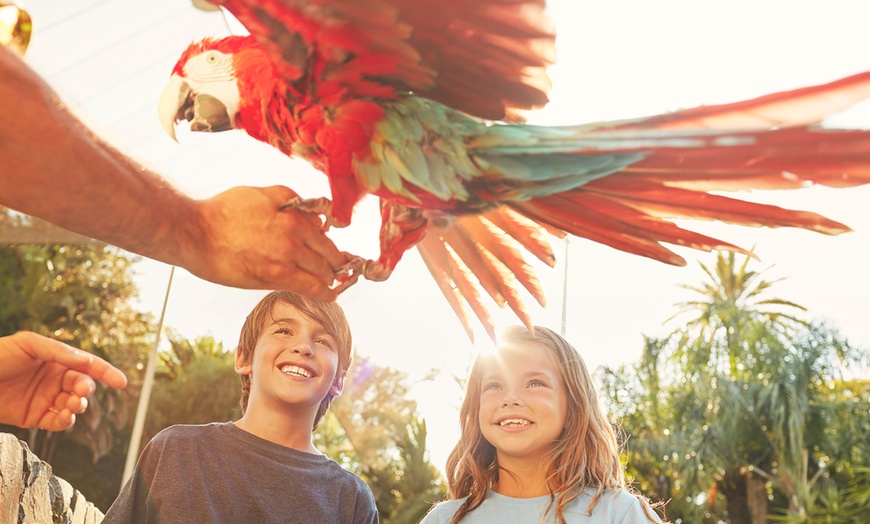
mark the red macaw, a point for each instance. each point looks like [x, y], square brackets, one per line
[415, 101]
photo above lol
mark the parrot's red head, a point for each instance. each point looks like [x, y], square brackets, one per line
[218, 84]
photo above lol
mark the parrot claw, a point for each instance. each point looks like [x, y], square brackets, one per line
[318, 206]
[375, 271]
[349, 273]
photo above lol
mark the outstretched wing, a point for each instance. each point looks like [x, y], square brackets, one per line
[799, 107]
[482, 57]
[765, 143]
[470, 255]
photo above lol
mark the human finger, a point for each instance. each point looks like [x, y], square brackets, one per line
[50, 350]
[76, 404]
[62, 401]
[306, 283]
[321, 245]
[57, 420]
[311, 265]
[312, 232]
[78, 383]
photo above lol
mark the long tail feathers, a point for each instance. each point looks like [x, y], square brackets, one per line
[472, 252]
[456, 282]
[764, 144]
[798, 107]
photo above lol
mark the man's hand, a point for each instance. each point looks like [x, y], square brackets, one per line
[45, 383]
[238, 238]
[247, 242]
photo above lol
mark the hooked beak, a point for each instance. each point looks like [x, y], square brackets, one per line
[179, 102]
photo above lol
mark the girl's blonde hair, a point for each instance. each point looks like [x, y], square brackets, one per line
[585, 455]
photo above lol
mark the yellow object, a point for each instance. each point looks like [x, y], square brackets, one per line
[205, 5]
[15, 27]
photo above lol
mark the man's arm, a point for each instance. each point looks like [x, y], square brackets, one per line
[53, 167]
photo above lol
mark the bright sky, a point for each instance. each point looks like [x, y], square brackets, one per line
[617, 59]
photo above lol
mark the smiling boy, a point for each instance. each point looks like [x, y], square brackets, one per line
[293, 356]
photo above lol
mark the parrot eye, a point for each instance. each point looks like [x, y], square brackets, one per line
[211, 58]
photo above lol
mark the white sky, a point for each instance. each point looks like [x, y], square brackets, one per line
[617, 59]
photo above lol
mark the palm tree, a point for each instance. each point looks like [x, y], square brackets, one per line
[756, 368]
[743, 407]
[730, 316]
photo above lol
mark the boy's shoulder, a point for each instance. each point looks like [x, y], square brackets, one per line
[181, 435]
[189, 431]
[349, 476]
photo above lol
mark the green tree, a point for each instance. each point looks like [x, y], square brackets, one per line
[374, 431]
[721, 328]
[195, 383]
[734, 414]
[83, 295]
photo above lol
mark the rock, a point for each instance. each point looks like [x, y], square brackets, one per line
[31, 494]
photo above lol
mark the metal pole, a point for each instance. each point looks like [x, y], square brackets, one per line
[145, 396]
[565, 292]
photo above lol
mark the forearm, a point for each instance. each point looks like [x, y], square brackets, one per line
[53, 167]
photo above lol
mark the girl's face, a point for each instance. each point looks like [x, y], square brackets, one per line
[523, 403]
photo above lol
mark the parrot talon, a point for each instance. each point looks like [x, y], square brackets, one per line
[292, 203]
[348, 274]
[376, 271]
[318, 206]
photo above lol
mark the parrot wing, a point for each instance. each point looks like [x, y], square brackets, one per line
[486, 57]
[798, 107]
[761, 144]
[471, 254]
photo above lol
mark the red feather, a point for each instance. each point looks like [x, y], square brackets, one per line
[338, 66]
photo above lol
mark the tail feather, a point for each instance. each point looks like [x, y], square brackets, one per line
[472, 252]
[625, 184]
[660, 201]
[599, 228]
[798, 107]
[496, 278]
[525, 231]
[456, 284]
[783, 159]
[507, 253]
[635, 217]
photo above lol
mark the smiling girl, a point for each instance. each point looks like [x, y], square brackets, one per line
[535, 445]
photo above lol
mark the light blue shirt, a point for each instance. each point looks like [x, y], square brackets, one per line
[614, 507]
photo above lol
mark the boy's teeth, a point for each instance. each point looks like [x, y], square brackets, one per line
[514, 422]
[296, 370]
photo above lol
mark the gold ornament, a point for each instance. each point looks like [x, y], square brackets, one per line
[15, 27]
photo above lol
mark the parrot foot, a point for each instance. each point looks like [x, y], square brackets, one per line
[349, 273]
[318, 206]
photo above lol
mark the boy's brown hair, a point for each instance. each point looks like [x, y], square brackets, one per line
[327, 314]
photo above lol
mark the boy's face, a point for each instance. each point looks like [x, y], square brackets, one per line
[295, 361]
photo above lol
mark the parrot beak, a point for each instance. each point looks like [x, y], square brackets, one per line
[179, 102]
[173, 104]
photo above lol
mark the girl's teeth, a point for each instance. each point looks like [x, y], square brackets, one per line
[514, 422]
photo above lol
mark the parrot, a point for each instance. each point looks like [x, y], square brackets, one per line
[421, 103]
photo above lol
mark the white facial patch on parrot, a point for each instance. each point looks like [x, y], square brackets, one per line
[212, 73]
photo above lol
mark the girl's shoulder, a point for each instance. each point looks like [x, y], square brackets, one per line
[618, 505]
[442, 512]
[614, 506]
